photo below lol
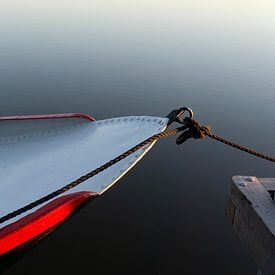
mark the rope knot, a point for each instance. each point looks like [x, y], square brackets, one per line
[197, 130]
[193, 129]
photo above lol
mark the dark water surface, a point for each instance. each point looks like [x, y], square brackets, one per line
[116, 58]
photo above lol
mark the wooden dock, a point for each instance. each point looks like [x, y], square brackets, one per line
[251, 211]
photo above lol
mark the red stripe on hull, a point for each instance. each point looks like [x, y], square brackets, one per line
[29, 117]
[34, 224]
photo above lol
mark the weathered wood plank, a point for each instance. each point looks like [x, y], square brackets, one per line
[269, 184]
[251, 212]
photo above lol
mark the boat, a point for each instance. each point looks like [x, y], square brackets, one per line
[42, 153]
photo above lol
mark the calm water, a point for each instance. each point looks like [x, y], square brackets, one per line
[116, 58]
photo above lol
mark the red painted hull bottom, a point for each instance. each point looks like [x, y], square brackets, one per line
[43, 219]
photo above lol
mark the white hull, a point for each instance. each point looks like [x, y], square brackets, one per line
[39, 156]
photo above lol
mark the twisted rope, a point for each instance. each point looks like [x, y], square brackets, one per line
[191, 129]
[199, 131]
[241, 147]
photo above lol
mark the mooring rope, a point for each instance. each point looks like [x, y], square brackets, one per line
[190, 129]
[199, 131]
